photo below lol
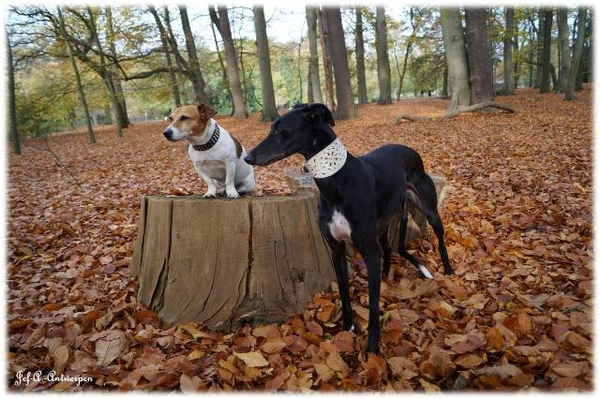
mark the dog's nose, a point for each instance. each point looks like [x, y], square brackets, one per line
[168, 134]
[249, 159]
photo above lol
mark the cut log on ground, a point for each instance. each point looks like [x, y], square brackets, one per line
[475, 107]
[226, 262]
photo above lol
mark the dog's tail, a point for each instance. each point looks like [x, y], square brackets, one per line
[413, 198]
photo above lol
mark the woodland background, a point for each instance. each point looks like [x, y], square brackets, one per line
[518, 313]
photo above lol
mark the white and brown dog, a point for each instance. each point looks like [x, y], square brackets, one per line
[217, 156]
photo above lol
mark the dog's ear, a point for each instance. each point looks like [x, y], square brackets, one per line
[319, 112]
[206, 111]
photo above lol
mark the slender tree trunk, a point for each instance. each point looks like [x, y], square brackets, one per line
[409, 45]
[345, 99]
[547, 51]
[456, 58]
[383, 60]
[12, 107]
[195, 74]
[577, 55]
[516, 64]
[114, 73]
[181, 64]
[509, 86]
[478, 52]
[565, 51]
[164, 39]
[540, 47]
[445, 82]
[327, 65]
[269, 109]
[360, 58]
[314, 94]
[88, 120]
[233, 72]
[107, 77]
[224, 80]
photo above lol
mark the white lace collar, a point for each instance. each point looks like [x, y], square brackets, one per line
[326, 162]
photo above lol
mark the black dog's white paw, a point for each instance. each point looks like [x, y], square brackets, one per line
[426, 273]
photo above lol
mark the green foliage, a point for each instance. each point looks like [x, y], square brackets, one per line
[46, 100]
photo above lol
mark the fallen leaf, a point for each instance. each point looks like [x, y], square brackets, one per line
[252, 359]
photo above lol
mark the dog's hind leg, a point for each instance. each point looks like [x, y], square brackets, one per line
[402, 249]
[386, 253]
[428, 205]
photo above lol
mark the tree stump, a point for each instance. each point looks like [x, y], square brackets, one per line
[226, 262]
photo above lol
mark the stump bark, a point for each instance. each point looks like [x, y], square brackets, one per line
[226, 262]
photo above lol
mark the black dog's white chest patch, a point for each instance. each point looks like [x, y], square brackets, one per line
[339, 227]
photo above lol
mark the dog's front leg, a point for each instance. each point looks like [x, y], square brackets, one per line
[230, 179]
[212, 187]
[374, 279]
[338, 252]
[366, 243]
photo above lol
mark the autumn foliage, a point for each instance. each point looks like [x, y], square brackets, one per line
[516, 316]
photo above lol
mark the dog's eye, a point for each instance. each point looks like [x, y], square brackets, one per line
[184, 118]
[170, 119]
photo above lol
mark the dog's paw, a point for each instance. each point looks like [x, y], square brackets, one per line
[209, 195]
[233, 194]
[426, 273]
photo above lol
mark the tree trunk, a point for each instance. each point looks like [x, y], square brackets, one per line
[341, 71]
[327, 65]
[546, 51]
[577, 54]
[12, 106]
[360, 58]
[225, 263]
[539, 45]
[116, 78]
[562, 14]
[478, 53]
[269, 108]
[195, 74]
[516, 61]
[164, 39]
[509, 86]
[314, 94]
[88, 119]
[409, 45]
[445, 82]
[180, 62]
[456, 58]
[106, 75]
[233, 72]
[383, 61]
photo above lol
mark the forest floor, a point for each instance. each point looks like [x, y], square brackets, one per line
[518, 314]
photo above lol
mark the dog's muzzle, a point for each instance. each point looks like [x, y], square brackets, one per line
[168, 134]
[249, 159]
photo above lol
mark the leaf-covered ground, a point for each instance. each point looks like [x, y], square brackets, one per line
[517, 315]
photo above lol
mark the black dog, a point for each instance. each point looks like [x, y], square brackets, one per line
[358, 197]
